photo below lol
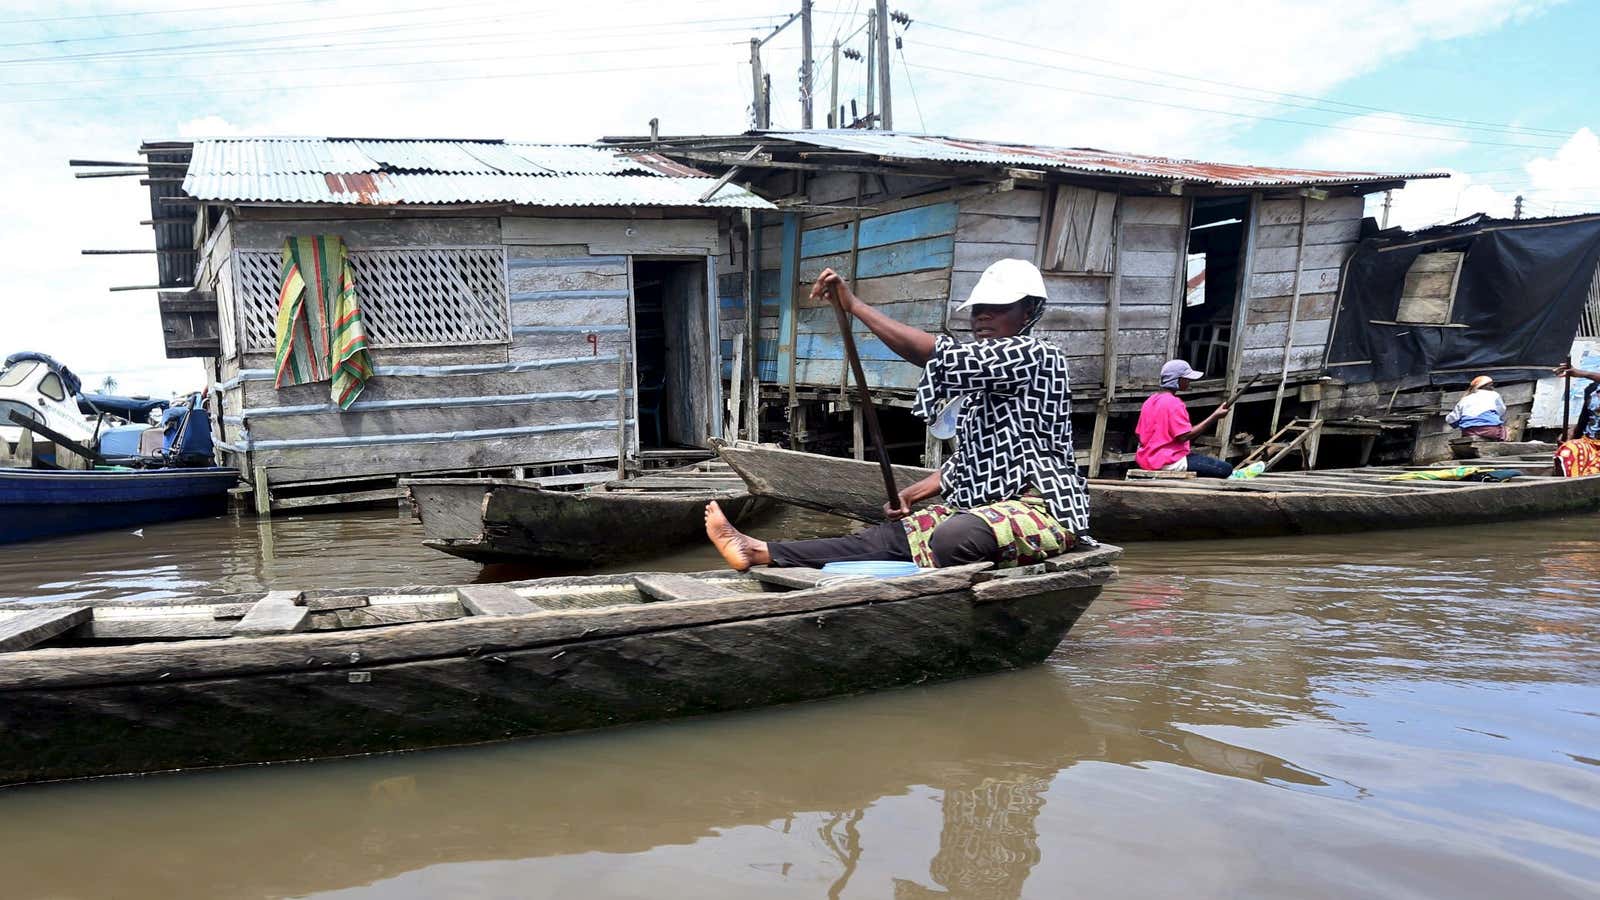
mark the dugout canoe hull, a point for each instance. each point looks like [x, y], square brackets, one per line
[1275, 504]
[505, 520]
[608, 656]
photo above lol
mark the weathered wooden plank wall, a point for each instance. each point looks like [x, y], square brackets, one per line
[1154, 237]
[903, 257]
[549, 395]
[1332, 229]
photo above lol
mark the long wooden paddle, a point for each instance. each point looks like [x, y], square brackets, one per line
[1566, 403]
[864, 397]
[1239, 391]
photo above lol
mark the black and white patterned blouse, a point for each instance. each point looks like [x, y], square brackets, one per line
[1015, 430]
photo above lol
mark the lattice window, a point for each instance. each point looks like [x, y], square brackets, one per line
[409, 298]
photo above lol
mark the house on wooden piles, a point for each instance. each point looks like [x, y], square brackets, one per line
[1424, 312]
[520, 301]
[1234, 267]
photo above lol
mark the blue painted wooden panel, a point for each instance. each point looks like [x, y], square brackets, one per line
[767, 359]
[881, 373]
[789, 258]
[831, 346]
[731, 303]
[925, 315]
[891, 228]
[893, 259]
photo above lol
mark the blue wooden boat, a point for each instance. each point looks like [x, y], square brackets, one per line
[36, 503]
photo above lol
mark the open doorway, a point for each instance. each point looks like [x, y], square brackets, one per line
[1216, 250]
[673, 353]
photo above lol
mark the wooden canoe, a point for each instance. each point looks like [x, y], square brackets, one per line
[315, 674]
[508, 520]
[1277, 503]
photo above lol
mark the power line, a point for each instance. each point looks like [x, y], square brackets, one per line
[238, 26]
[1224, 112]
[1092, 74]
[360, 84]
[265, 40]
[587, 51]
[900, 46]
[155, 12]
[1170, 74]
[401, 44]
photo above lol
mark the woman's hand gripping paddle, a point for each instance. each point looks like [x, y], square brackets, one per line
[832, 285]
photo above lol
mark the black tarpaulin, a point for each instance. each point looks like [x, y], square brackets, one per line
[1518, 299]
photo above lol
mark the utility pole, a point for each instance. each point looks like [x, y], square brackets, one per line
[884, 69]
[1516, 211]
[758, 107]
[807, 79]
[761, 108]
[1388, 198]
[872, 62]
[833, 91]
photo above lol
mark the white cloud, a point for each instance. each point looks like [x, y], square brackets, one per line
[1565, 183]
[1380, 141]
[461, 76]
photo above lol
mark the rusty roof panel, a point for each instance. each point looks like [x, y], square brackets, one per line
[935, 148]
[392, 172]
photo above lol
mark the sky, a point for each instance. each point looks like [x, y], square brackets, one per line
[1500, 94]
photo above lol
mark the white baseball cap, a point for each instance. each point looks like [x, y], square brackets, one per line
[1005, 281]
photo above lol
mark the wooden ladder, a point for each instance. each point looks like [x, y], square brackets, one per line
[1289, 438]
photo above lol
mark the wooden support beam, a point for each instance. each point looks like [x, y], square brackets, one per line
[279, 612]
[729, 175]
[262, 492]
[39, 625]
[494, 600]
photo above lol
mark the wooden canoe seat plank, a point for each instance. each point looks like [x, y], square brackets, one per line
[793, 577]
[39, 625]
[279, 612]
[324, 604]
[679, 587]
[494, 600]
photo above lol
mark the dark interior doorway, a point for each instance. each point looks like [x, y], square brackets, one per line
[672, 353]
[1216, 249]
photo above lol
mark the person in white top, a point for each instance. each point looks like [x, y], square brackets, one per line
[1480, 412]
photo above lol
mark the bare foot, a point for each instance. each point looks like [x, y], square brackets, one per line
[739, 550]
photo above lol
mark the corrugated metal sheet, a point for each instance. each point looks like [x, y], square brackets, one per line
[934, 148]
[394, 172]
[388, 189]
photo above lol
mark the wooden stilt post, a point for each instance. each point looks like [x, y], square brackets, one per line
[1097, 443]
[858, 442]
[622, 414]
[735, 391]
[261, 491]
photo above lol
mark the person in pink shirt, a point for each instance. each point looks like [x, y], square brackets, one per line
[1165, 431]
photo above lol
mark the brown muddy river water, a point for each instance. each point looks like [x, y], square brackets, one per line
[1409, 714]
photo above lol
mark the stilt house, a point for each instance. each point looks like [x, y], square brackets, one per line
[522, 301]
[1235, 268]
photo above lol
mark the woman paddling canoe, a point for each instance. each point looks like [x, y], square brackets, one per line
[1012, 490]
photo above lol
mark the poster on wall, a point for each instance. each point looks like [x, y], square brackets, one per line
[1547, 404]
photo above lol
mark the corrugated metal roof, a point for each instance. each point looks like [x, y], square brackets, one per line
[396, 172]
[934, 148]
[410, 188]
